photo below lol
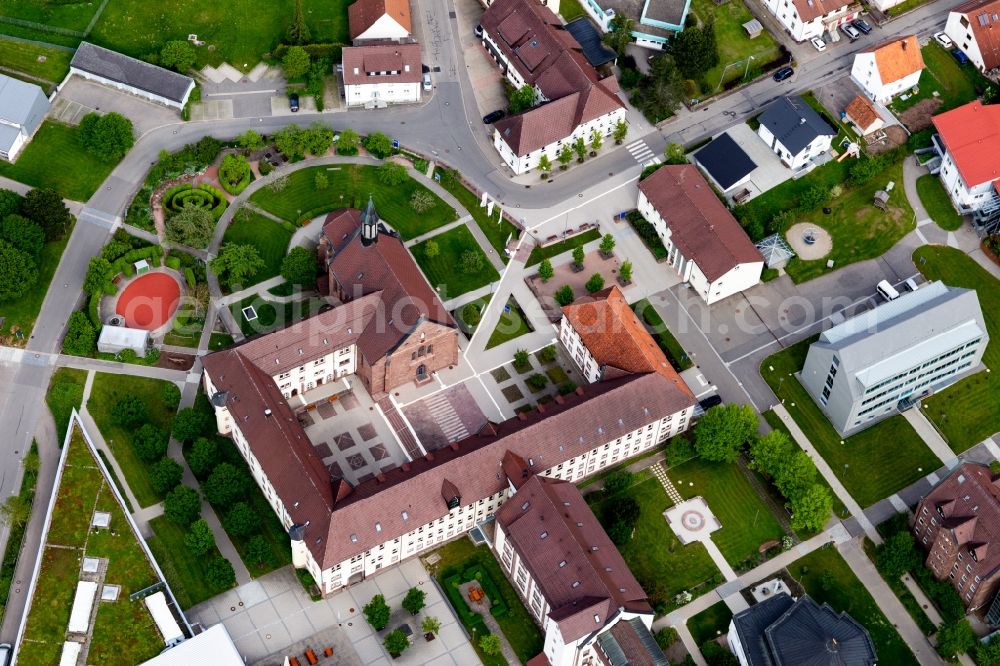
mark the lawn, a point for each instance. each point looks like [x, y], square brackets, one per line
[517, 624]
[496, 232]
[873, 464]
[349, 185]
[969, 411]
[554, 250]
[937, 203]
[659, 562]
[858, 229]
[734, 45]
[270, 238]
[954, 83]
[446, 271]
[23, 312]
[664, 338]
[512, 324]
[827, 578]
[55, 159]
[72, 16]
[571, 9]
[747, 522]
[272, 316]
[64, 395]
[184, 572]
[220, 341]
[23, 57]
[710, 623]
[107, 390]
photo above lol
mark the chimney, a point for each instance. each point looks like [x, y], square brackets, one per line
[405, 467]
[579, 390]
[522, 416]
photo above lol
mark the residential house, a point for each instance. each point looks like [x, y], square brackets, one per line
[532, 47]
[130, 75]
[705, 244]
[805, 19]
[882, 361]
[725, 162]
[958, 524]
[863, 115]
[656, 21]
[968, 141]
[795, 131]
[22, 108]
[380, 74]
[570, 575]
[369, 20]
[782, 631]
[888, 69]
[974, 27]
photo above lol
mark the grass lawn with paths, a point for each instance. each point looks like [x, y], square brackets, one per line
[272, 316]
[270, 239]
[185, 572]
[936, 202]
[869, 470]
[554, 250]
[734, 45]
[710, 623]
[445, 272]
[23, 312]
[496, 232]
[968, 412]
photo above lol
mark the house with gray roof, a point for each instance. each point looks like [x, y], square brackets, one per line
[882, 361]
[782, 631]
[795, 131]
[133, 76]
[22, 108]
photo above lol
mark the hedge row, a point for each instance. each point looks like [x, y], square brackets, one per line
[124, 264]
[189, 277]
[497, 607]
[94, 312]
[468, 618]
[204, 196]
[315, 51]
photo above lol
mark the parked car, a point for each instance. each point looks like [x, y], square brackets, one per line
[960, 57]
[491, 118]
[6, 653]
[783, 74]
[911, 284]
[818, 43]
[851, 32]
[427, 83]
[710, 401]
[944, 40]
[293, 102]
[478, 31]
[886, 290]
[862, 25]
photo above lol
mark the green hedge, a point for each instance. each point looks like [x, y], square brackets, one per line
[315, 51]
[174, 263]
[479, 573]
[189, 276]
[93, 311]
[468, 618]
[204, 196]
[124, 264]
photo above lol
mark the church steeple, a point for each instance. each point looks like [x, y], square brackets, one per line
[369, 223]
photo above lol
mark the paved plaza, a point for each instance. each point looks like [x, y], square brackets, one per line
[447, 416]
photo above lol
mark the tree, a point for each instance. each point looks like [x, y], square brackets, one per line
[595, 283]
[521, 359]
[666, 637]
[722, 432]
[694, 50]
[564, 295]
[257, 550]
[580, 148]
[149, 443]
[178, 55]
[182, 505]
[988, 654]
[236, 263]
[317, 139]
[619, 35]
[299, 267]
[81, 338]
[565, 156]
[431, 249]
[348, 142]
[290, 141]
[596, 141]
[203, 456]
[811, 510]
[472, 261]
[250, 140]
[421, 201]
[199, 539]
[18, 272]
[106, 137]
[298, 31]
[897, 555]
[242, 520]
[98, 275]
[490, 645]
[128, 411]
[234, 172]
[521, 99]
[295, 63]
[432, 625]
[165, 474]
[673, 153]
[396, 642]
[48, 211]
[414, 600]
[378, 144]
[15, 511]
[320, 182]
[391, 174]
[625, 271]
[226, 484]
[189, 424]
[618, 481]
[545, 270]
[578, 256]
[607, 245]
[191, 226]
[544, 164]
[619, 132]
[768, 452]
[377, 612]
[10, 203]
[219, 573]
[23, 234]
[171, 395]
[955, 638]
[662, 91]
[621, 513]
[537, 381]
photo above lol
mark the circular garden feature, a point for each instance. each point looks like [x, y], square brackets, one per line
[149, 301]
[179, 197]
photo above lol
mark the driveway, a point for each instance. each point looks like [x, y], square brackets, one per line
[80, 96]
[240, 99]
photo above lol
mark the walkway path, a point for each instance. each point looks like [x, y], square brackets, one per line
[935, 442]
[440, 230]
[661, 474]
[482, 610]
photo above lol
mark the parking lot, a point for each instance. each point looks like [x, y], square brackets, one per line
[79, 97]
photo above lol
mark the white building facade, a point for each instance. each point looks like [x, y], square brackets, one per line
[805, 19]
[803, 156]
[888, 70]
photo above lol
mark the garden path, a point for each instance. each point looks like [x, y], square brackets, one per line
[440, 230]
[483, 610]
[932, 438]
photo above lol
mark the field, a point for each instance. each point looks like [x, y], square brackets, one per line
[64, 395]
[349, 185]
[937, 203]
[869, 467]
[969, 411]
[23, 311]
[734, 45]
[445, 271]
[270, 239]
[23, 57]
[55, 159]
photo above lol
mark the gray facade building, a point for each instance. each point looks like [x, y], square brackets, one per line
[883, 360]
[22, 108]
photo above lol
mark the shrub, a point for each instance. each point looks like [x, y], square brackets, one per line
[625, 271]
[431, 249]
[182, 505]
[106, 137]
[421, 201]
[537, 381]
[621, 514]
[22, 233]
[432, 625]
[203, 456]
[955, 638]
[173, 262]
[199, 539]
[490, 645]
[189, 277]
[348, 142]
[295, 62]
[18, 272]
[219, 574]
[185, 196]
[666, 637]
[150, 443]
[547, 354]
[171, 395]
[521, 359]
[81, 338]
[472, 261]
[46, 208]
[178, 55]
[242, 520]
[595, 283]
[396, 642]
[10, 202]
[472, 314]
[545, 270]
[234, 173]
[564, 295]
[165, 474]
[378, 144]
[578, 255]
[128, 411]
[607, 245]
[618, 481]
[377, 612]
[414, 600]
[300, 266]
[814, 197]
[566, 388]
[392, 174]
[257, 550]
[189, 424]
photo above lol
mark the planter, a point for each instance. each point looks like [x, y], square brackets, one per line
[428, 637]
[593, 153]
[606, 256]
[577, 267]
[563, 167]
[579, 160]
[624, 283]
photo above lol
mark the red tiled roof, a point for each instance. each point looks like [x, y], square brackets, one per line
[810, 9]
[616, 338]
[363, 14]
[577, 568]
[897, 58]
[984, 20]
[404, 59]
[862, 112]
[701, 227]
[971, 133]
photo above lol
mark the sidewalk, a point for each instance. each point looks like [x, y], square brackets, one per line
[932, 438]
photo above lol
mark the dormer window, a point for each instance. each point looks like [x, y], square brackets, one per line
[524, 507]
[354, 538]
[576, 584]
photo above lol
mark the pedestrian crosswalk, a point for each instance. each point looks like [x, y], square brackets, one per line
[446, 417]
[642, 153]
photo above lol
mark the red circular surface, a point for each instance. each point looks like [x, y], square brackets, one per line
[149, 301]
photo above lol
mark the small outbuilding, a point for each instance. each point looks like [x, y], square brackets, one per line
[753, 28]
[114, 339]
[862, 114]
[22, 108]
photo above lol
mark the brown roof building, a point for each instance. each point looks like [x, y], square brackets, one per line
[958, 523]
[379, 19]
[863, 114]
[975, 28]
[381, 64]
[705, 243]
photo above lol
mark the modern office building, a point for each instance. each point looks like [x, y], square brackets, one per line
[882, 361]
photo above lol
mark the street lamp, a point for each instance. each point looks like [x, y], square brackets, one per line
[747, 70]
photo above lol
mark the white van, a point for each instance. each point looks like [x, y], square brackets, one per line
[911, 284]
[886, 290]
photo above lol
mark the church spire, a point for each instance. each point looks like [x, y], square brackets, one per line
[369, 223]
